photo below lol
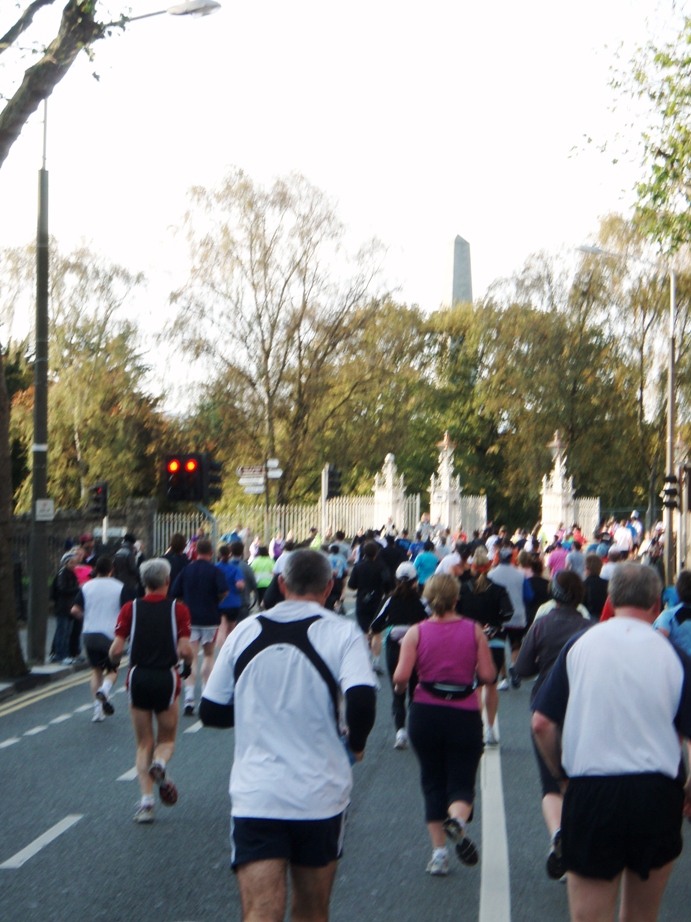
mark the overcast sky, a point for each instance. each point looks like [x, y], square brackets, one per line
[422, 121]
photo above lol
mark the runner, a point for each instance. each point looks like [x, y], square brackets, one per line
[400, 610]
[158, 629]
[445, 726]
[98, 605]
[608, 721]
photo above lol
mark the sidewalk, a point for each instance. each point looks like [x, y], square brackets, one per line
[39, 675]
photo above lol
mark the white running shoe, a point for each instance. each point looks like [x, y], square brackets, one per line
[503, 685]
[491, 737]
[401, 739]
[98, 713]
[144, 814]
[439, 864]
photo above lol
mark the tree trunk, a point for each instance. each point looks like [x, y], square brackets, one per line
[11, 660]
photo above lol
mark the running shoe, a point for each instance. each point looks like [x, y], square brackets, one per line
[401, 739]
[465, 848]
[515, 680]
[105, 703]
[98, 713]
[166, 789]
[555, 862]
[189, 709]
[144, 814]
[491, 737]
[503, 685]
[438, 865]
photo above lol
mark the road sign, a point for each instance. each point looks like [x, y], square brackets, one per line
[272, 463]
[254, 490]
[247, 481]
[274, 473]
[45, 510]
[255, 469]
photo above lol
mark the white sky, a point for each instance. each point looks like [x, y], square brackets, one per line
[420, 120]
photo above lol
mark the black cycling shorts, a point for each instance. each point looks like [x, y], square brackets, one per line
[152, 689]
[610, 823]
[308, 843]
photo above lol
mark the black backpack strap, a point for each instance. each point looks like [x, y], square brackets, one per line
[294, 633]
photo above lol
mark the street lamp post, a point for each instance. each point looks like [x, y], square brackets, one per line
[37, 624]
[670, 474]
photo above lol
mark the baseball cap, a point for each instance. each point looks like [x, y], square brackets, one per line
[406, 570]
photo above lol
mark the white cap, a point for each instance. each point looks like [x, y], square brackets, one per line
[406, 570]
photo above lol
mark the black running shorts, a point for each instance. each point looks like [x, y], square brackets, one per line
[307, 843]
[621, 821]
[152, 689]
[97, 647]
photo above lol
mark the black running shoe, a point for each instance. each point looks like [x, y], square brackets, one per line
[515, 680]
[107, 706]
[166, 789]
[465, 847]
[555, 862]
[189, 710]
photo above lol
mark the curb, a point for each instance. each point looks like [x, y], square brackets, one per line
[37, 678]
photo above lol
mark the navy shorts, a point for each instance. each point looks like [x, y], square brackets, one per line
[307, 843]
[97, 647]
[621, 821]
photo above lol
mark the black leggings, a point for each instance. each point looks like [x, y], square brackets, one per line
[393, 651]
[448, 744]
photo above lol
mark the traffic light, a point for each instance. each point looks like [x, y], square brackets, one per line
[333, 482]
[184, 478]
[670, 492]
[211, 480]
[98, 499]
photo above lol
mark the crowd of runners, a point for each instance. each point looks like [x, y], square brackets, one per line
[452, 621]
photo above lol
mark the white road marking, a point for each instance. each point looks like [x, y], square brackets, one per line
[9, 742]
[61, 718]
[84, 707]
[195, 728]
[495, 886]
[130, 775]
[119, 691]
[35, 730]
[16, 861]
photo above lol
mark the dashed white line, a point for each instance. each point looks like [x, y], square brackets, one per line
[195, 728]
[495, 890]
[61, 718]
[84, 707]
[129, 776]
[16, 861]
[34, 730]
[9, 742]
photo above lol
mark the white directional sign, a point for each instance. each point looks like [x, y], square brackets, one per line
[254, 490]
[255, 469]
[274, 473]
[247, 481]
[272, 463]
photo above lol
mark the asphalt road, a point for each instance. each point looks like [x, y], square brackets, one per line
[63, 769]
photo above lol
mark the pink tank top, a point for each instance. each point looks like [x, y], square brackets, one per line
[447, 652]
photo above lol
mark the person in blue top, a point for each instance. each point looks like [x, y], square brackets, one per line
[426, 563]
[675, 622]
[230, 607]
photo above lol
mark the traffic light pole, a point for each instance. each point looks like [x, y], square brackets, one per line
[670, 476]
[214, 525]
[323, 498]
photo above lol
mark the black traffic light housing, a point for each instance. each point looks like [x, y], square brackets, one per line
[670, 492]
[184, 477]
[212, 478]
[333, 482]
[98, 499]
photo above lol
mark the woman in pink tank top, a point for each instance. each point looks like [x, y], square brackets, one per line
[451, 656]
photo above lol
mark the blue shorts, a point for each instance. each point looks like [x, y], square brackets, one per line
[307, 843]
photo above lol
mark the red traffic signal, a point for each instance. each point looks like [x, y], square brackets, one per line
[184, 483]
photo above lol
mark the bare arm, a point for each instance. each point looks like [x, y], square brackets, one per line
[548, 740]
[406, 661]
[77, 611]
[185, 650]
[116, 650]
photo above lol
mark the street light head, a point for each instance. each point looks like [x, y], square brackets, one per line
[194, 8]
[585, 248]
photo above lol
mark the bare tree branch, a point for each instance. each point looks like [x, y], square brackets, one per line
[22, 24]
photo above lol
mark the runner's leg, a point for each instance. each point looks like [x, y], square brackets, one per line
[263, 890]
[311, 892]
